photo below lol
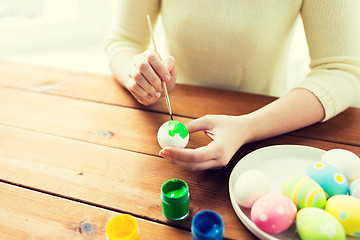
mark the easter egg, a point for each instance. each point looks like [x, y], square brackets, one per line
[249, 186]
[355, 188]
[273, 213]
[304, 192]
[173, 133]
[329, 178]
[347, 162]
[315, 223]
[347, 210]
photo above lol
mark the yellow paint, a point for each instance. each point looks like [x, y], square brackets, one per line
[314, 193]
[339, 178]
[122, 227]
[297, 189]
[319, 165]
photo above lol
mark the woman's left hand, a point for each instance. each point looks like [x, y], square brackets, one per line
[228, 134]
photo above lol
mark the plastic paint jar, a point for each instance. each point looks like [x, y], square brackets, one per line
[122, 227]
[207, 225]
[175, 199]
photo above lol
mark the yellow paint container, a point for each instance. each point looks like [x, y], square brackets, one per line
[122, 227]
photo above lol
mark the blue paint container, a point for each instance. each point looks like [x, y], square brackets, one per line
[207, 225]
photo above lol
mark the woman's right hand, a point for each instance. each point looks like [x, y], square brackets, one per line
[146, 74]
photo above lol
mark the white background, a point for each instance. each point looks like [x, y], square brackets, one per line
[70, 34]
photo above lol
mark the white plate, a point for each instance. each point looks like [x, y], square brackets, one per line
[278, 163]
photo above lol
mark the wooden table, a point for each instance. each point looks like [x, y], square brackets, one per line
[76, 150]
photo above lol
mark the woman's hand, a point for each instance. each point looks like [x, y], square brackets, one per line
[228, 134]
[146, 75]
[298, 109]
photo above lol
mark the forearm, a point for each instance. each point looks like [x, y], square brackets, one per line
[119, 66]
[298, 109]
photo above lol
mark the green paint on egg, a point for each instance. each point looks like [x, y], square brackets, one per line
[177, 127]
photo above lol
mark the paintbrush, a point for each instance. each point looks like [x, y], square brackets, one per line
[163, 83]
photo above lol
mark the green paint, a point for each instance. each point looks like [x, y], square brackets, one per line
[175, 199]
[176, 193]
[177, 127]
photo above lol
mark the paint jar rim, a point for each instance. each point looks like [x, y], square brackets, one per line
[122, 227]
[168, 189]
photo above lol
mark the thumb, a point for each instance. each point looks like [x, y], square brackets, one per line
[200, 124]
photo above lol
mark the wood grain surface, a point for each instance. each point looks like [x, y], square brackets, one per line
[105, 176]
[188, 101]
[28, 214]
[116, 126]
[78, 147]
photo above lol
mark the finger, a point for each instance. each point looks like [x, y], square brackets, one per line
[148, 100]
[145, 68]
[134, 88]
[191, 155]
[139, 93]
[158, 65]
[171, 64]
[199, 124]
[142, 82]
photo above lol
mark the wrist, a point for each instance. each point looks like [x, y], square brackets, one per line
[246, 129]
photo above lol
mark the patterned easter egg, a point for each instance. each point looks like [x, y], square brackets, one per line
[329, 178]
[173, 133]
[347, 210]
[355, 188]
[304, 192]
[273, 213]
[315, 223]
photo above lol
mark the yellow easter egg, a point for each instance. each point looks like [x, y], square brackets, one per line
[347, 210]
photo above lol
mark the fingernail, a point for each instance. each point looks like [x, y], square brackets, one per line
[167, 77]
[162, 153]
[157, 94]
[160, 88]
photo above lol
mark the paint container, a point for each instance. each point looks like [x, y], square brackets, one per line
[122, 227]
[175, 199]
[207, 225]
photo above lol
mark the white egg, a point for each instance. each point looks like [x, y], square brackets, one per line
[173, 133]
[347, 162]
[250, 186]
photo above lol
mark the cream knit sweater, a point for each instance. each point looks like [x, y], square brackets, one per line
[243, 45]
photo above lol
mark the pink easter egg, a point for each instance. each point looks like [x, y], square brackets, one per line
[273, 213]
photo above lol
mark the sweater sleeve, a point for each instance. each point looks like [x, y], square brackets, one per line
[129, 30]
[332, 30]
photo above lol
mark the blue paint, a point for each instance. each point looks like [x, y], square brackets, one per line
[207, 225]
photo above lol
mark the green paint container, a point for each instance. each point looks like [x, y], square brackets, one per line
[175, 199]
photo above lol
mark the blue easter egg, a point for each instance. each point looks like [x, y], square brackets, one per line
[329, 178]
